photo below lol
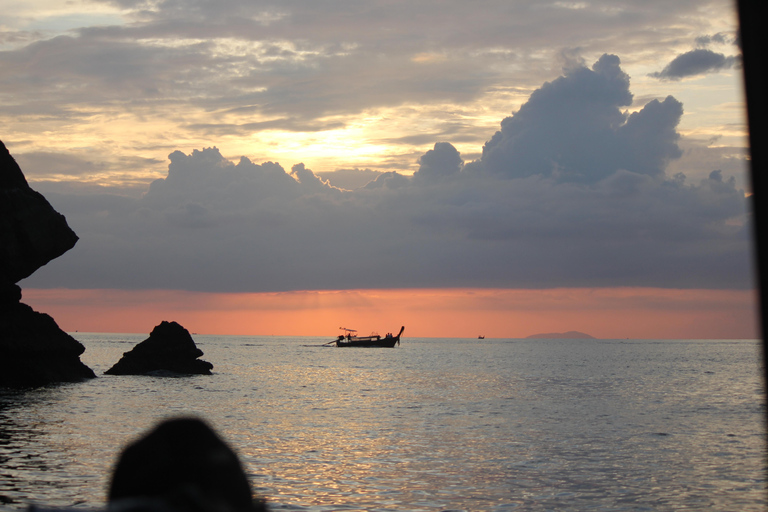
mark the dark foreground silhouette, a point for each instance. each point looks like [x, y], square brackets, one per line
[180, 466]
[34, 351]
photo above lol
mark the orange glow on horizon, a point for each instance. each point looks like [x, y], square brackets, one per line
[649, 313]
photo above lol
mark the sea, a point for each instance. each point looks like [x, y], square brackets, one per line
[433, 424]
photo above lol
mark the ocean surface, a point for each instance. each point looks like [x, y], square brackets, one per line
[434, 424]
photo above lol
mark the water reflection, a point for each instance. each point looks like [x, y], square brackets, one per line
[431, 425]
[29, 457]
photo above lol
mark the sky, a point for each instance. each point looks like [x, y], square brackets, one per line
[489, 168]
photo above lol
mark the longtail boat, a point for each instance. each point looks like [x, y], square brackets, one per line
[351, 339]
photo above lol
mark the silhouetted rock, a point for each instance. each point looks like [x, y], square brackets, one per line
[34, 351]
[31, 231]
[182, 465]
[10, 294]
[169, 348]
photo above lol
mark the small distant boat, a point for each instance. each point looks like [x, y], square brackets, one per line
[351, 339]
[481, 337]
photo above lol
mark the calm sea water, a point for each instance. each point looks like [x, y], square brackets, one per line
[434, 424]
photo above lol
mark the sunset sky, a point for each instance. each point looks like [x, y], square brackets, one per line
[499, 167]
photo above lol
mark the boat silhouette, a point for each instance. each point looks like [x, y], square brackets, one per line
[350, 339]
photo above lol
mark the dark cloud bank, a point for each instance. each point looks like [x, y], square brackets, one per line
[571, 191]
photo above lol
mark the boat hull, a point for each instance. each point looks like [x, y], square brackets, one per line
[382, 342]
[387, 341]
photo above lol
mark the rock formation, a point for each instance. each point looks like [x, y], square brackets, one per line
[169, 350]
[33, 233]
[34, 351]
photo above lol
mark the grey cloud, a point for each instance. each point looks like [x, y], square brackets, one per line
[700, 160]
[350, 179]
[205, 177]
[287, 124]
[610, 215]
[574, 129]
[719, 38]
[104, 66]
[69, 189]
[297, 62]
[389, 180]
[454, 130]
[378, 23]
[310, 182]
[443, 161]
[695, 62]
[45, 163]
[352, 83]
[94, 71]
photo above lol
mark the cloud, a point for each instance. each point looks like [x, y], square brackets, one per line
[301, 60]
[49, 163]
[570, 192]
[695, 62]
[144, 78]
[700, 159]
[284, 124]
[350, 179]
[573, 129]
[443, 161]
[719, 38]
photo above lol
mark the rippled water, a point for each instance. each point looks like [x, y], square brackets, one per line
[434, 424]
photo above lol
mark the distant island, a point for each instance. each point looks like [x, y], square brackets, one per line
[574, 335]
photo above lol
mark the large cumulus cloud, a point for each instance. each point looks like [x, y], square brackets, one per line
[571, 191]
[573, 129]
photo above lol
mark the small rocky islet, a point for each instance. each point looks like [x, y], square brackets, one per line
[169, 350]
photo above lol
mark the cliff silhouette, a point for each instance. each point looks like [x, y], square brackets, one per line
[34, 351]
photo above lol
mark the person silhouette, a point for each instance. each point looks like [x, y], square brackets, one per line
[181, 466]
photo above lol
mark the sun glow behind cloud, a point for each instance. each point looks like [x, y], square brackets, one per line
[302, 91]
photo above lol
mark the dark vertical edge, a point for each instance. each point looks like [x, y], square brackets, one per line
[752, 20]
